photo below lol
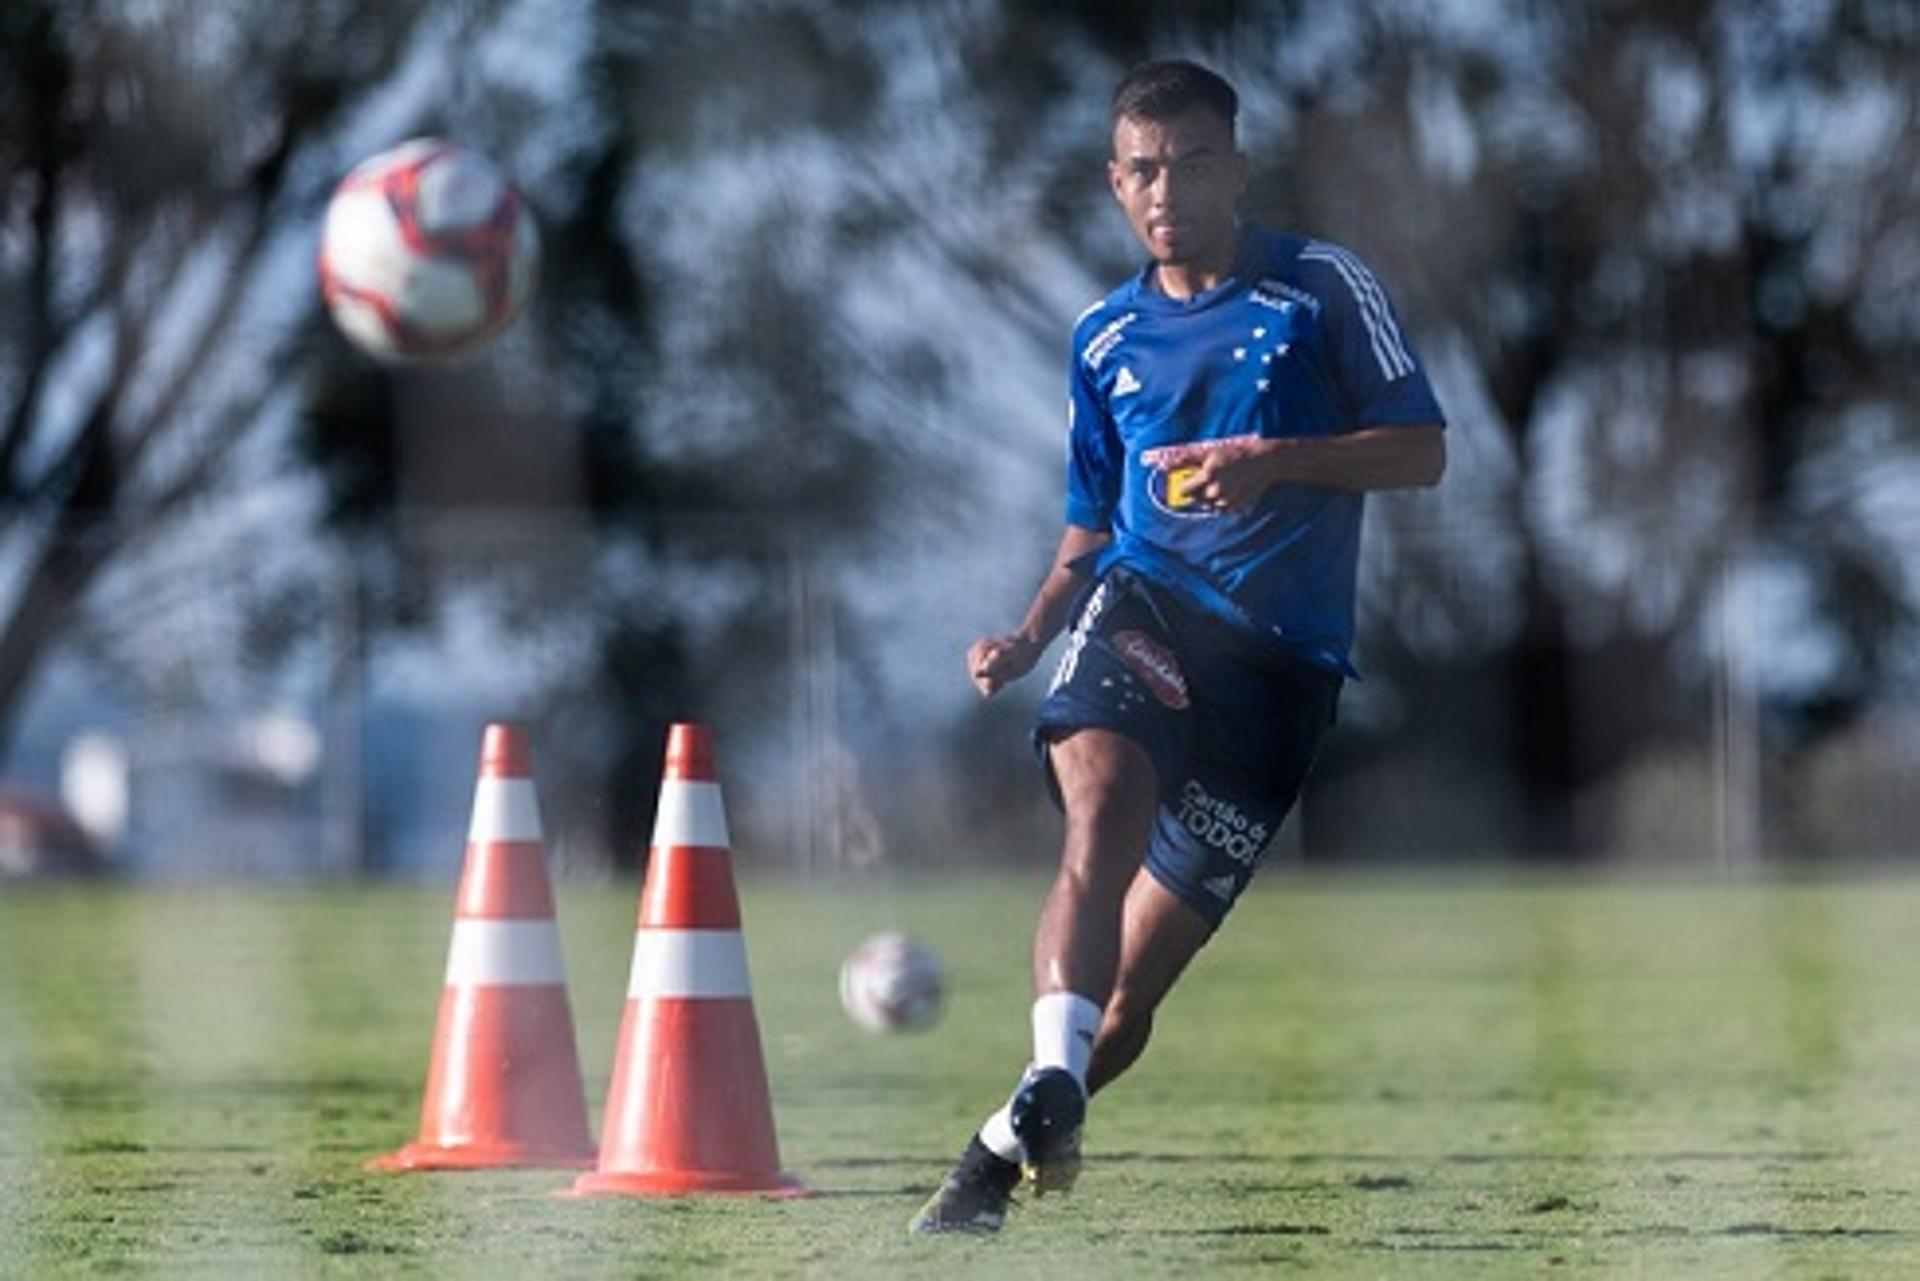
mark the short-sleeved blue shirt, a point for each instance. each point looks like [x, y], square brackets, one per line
[1300, 340]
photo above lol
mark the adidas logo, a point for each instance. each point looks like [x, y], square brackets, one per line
[1221, 887]
[1126, 384]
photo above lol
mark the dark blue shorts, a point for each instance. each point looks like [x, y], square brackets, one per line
[1232, 731]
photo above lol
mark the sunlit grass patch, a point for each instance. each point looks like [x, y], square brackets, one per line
[1359, 1076]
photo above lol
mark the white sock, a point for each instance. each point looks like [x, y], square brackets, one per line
[998, 1136]
[1064, 1027]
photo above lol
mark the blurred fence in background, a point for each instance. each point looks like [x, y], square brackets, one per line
[185, 746]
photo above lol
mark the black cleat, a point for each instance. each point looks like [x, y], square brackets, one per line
[974, 1197]
[1048, 1111]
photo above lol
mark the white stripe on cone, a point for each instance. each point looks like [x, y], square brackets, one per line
[490, 953]
[690, 813]
[688, 963]
[505, 809]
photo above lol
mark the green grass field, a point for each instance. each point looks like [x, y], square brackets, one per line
[1425, 1078]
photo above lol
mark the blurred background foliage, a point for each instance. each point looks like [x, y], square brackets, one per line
[781, 432]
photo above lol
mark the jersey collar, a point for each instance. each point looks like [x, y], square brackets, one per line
[1146, 293]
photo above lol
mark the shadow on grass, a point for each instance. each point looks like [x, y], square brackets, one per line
[1475, 1158]
[1187, 1158]
[1253, 1230]
[1409, 1240]
[144, 1089]
[1472, 1158]
[855, 1194]
[881, 1162]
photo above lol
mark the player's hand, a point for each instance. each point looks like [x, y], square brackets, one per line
[994, 661]
[1216, 475]
[1233, 476]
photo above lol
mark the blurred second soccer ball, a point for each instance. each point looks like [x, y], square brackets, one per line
[892, 984]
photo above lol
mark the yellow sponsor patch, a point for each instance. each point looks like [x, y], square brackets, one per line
[1180, 486]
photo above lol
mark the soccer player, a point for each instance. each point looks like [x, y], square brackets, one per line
[1230, 405]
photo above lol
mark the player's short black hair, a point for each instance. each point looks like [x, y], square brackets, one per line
[1162, 90]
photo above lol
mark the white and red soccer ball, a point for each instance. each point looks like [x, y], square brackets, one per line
[427, 251]
[892, 984]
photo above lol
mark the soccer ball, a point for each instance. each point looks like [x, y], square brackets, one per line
[427, 251]
[892, 984]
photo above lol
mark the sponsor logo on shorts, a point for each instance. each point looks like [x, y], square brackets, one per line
[1153, 665]
[1221, 824]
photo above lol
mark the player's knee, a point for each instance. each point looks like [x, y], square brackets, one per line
[1098, 863]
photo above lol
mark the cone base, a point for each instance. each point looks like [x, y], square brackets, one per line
[481, 1156]
[669, 1183]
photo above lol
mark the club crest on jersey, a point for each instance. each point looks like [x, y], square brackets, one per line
[1156, 668]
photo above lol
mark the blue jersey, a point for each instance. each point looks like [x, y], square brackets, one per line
[1299, 341]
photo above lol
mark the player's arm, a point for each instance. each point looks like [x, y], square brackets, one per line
[1398, 440]
[1095, 463]
[994, 661]
[1238, 473]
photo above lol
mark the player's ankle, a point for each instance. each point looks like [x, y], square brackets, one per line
[1065, 1027]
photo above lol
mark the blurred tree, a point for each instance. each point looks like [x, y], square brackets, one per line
[1679, 229]
[1661, 259]
[809, 274]
[677, 360]
[167, 359]
[156, 167]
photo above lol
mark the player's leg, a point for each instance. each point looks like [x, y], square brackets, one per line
[1102, 729]
[1107, 790]
[1160, 934]
[1106, 786]
[1252, 751]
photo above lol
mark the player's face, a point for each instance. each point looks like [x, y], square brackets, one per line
[1179, 181]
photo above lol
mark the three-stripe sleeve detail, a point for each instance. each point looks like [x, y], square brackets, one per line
[1383, 334]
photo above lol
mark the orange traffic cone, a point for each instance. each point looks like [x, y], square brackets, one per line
[688, 1110]
[504, 1088]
